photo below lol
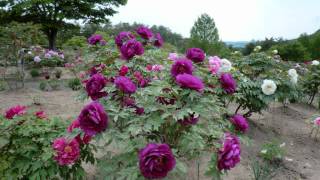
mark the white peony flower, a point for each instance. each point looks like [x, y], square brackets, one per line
[226, 66]
[268, 87]
[275, 52]
[257, 48]
[292, 72]
[37, 59]
[294, 79]
[293, 76]
[315, 62]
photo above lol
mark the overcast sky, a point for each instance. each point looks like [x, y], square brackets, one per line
[236, 19]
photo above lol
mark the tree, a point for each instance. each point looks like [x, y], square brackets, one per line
[204, 29]
[204, 35]
[53, 14]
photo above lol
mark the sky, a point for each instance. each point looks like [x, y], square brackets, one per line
[237, 20]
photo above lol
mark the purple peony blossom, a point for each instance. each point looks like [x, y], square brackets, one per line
[95, 85]
[95, 39]
[228, 83]
[240, 123]
[123, 37]
[158, 42]
[195, 54]
[75, 125]
[125, 85]
[144, 32]
[156, 161]
[190, 120]
[229, 153]
[131, 48]
[181, 66]
[66, 152]
[190, 82]
[93, 119]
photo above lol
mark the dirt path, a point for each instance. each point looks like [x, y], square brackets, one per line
[289, 125]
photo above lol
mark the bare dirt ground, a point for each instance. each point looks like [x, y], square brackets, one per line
[287, 124]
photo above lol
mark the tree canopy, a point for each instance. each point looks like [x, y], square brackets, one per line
[204, 29]
[55, 14]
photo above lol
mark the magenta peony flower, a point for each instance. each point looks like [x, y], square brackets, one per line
[195, 54]
[131, 48]
[156, 161]
[95, 85]
[125, 85]
[122, 37]
[144, 32]
[93, 119]
[181, 66]
[229, 153]
[123, 70]
[228, 83]
[139, 110]
[157, 68]
[142, 82]
[14, 111]
[158, 42]
[75, 125]
[240, 123]
[40, 114]
[190, 82]
[317, 121]
[95, 39]
[190, 120]
[66, 152]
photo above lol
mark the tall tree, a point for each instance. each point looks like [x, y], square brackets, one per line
[55, 14]
[204, 29]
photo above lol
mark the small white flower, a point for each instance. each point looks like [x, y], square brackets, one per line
[264, 151]
[37, 59]
[29, 52]
[275, 52]
[268, 87]
[257, 48]
[226, 66]
[315, 62]
[292, 72]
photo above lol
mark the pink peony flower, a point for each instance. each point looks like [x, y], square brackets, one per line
[156, 161]
[190, 82]
[66, 152]
[240, 123]
[317, 121]
[157, 68]
[93, 119]
[125, 85]
[214, 64]
[229, 153]
[41, 114]
[75, 125]
[15, 111]
[173, 56]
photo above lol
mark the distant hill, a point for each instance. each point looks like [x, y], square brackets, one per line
[237, 44]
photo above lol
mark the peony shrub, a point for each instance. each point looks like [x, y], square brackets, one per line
[157, 112]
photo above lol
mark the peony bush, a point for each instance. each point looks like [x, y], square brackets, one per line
[150, 114]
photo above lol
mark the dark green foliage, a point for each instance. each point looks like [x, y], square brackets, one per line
[293, 51]
[26, 152]
[74, 84]
[311, 82]
[204, 29]
[34, 73]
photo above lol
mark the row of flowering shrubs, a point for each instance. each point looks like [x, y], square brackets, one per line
[160, 111]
